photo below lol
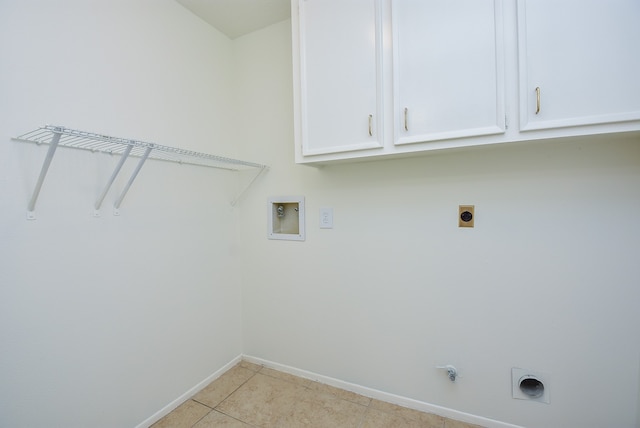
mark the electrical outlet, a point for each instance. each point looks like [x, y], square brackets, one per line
[466, 215]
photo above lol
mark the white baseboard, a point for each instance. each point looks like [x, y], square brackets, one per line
[359, 389]
[184, 397]
[383, 396]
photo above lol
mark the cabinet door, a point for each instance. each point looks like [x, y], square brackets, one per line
[579, 62]
[340, 75]
[448, 60]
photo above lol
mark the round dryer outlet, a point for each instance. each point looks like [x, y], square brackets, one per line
[529, 385]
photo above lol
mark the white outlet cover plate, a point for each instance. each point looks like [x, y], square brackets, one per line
[326, 218]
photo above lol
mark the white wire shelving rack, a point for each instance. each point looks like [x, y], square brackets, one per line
[56, 136]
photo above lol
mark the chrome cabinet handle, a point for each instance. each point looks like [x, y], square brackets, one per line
[538, 100]
[406, 120]
[370, 125]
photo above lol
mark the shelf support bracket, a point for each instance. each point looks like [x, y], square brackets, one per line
[244, 190]
[144, 157]
[31, 215]
[116, 171]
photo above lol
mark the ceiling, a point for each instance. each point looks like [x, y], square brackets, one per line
[236, 18]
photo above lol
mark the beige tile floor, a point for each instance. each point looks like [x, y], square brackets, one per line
[249, 395]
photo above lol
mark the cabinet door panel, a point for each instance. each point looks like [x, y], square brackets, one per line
[584, 56]
[448, 69]
[340, 56]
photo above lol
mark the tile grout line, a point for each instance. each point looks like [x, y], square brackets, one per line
[199, 402]
[364, 415]
[222, 413]
[259, 371]
[213, 409]
[239, 386]
[208, 413]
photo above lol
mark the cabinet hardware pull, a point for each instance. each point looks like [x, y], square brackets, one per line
[406, 123]
[538, 100]
[370, 125]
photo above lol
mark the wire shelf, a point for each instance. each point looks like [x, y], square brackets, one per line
[113, 145]
[56, 136]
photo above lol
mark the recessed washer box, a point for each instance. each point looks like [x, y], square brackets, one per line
[286, 218]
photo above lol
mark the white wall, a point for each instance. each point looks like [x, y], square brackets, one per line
[104, 321]
[547, 280]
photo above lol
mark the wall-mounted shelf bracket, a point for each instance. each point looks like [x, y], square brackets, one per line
[145, 156]
[60, 136]
[53, 145]
[116, 171]
[245, 188]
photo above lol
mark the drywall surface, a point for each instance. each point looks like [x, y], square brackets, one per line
[547, 279]
[104, 321]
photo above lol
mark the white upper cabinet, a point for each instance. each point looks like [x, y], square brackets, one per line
[579, 62]
[448, 69]
[340, 81]
[396, 77]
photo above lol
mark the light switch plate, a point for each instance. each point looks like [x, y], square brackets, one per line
[326, 218]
